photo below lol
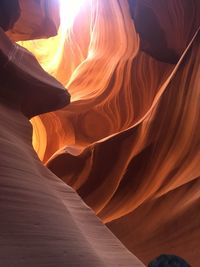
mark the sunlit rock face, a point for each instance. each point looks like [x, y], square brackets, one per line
[43, 221]
[129, 141]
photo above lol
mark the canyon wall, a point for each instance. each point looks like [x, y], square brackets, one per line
[129, 141]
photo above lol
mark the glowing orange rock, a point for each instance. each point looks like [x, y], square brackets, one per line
[43, 220]
[129, 141]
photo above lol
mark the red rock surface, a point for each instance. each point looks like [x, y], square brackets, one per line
[129, 141]
[38, 19]
[144, 182]
[43, 221]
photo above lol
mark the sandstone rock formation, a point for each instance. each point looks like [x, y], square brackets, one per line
[43, 221]
[38, 19]
[129, 141]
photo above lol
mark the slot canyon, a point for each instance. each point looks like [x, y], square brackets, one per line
[100, 132]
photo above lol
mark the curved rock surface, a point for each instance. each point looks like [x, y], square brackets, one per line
[144, 182]
[129, 141]
[38, 18]
[43, 221]
[25, 83]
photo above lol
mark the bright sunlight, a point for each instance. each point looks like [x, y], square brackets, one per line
[68, 11]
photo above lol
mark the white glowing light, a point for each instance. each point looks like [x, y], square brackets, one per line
[69, 10]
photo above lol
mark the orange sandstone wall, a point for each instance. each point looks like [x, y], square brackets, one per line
[129, 141]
